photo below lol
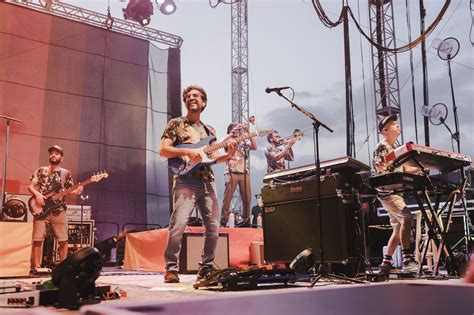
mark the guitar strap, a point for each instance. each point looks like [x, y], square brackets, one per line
[63, 182]
[207, 129]
[63, 177]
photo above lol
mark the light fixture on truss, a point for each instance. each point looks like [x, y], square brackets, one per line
[139, 11]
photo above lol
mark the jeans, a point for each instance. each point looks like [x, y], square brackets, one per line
[189, 193]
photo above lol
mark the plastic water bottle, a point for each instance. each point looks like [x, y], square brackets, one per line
[259, 220]
[231, 221]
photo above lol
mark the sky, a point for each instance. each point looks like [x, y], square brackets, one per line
[289, 46]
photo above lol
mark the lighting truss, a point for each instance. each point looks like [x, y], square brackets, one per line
[100, 20]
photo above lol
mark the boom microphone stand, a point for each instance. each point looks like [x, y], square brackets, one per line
[322, 270]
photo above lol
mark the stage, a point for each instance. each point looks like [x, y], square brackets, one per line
[147, 294]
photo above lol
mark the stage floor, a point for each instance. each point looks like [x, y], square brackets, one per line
[147, 289]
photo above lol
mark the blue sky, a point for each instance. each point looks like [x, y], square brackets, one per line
[289, 46]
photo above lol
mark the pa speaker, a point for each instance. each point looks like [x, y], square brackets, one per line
[293, 226]
[191, 250]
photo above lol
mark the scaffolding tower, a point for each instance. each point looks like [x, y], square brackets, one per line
[386, 84]
[240, 78]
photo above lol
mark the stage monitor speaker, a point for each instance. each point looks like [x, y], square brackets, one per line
[191, 250]
[291, 227]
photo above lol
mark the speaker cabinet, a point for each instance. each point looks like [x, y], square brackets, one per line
[293, 226]
[191, 250]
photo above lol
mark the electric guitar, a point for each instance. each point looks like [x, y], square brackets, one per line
[183, 165]
[54, 200]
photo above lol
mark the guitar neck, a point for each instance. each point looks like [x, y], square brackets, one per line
[71, 189]
[220, 145]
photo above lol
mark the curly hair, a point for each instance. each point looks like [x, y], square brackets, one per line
[195, 87]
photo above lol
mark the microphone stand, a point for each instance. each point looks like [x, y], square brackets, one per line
[83, 199]
[454, 136]
[322, 270]
[8, 121]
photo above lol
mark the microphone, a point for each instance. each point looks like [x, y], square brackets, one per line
[276, 89]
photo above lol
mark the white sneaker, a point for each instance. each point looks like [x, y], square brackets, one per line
[410, 265]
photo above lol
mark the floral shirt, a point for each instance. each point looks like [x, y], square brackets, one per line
[382, 149]
[46, 180]
[237, 163]
[277, 165]
[181, 130]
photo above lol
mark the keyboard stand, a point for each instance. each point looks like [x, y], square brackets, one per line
[437, 230]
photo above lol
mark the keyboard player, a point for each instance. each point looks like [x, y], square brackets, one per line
[401, 218]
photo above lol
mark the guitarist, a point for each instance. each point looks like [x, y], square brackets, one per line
[196, 189]
[44, 180]
[237, 174]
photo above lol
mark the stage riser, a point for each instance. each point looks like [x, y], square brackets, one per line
[386, 298]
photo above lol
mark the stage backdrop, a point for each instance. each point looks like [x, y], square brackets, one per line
[103, 96]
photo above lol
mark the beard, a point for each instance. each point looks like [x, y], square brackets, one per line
[54, 162]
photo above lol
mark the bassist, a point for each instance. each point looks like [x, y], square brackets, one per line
[51, 178]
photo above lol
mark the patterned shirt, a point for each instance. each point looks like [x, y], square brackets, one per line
[277, 165]
[237, 163]
[382, 149]
[181, 130]
[48, 180]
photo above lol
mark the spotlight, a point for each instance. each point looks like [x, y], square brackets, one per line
[168, 7]
[14, 210]
[139, 11]
[75, 277]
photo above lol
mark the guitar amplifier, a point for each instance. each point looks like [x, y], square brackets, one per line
[302, 189]
[191, 251]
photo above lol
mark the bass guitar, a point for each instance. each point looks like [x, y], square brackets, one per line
[183, 165]
[53, 200]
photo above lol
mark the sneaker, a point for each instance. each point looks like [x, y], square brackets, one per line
[244, 223]
[410, 265]
[204, 271]
[171, 276]
[385, 268]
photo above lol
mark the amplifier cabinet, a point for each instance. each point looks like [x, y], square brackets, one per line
[292, 226]
[75, 231]
[191, 250]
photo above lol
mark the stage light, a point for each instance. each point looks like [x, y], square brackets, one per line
[75, 277]
[139, 11]
[168, 7]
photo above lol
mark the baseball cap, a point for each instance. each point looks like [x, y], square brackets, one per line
[386, 120]
[57, 148]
